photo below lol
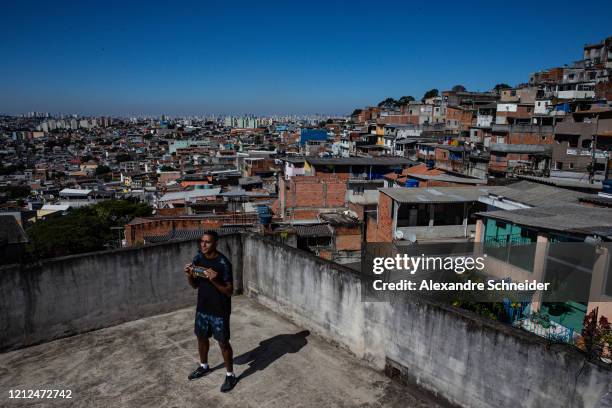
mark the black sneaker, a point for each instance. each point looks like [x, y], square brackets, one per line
[199, 372]
[229, 383]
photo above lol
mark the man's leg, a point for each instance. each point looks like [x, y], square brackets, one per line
[202, 331]
[228, 355]
[203, 346]
[228, 358]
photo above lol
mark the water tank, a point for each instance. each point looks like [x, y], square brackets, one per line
[412, 183]
[607, 186]
[265, 215]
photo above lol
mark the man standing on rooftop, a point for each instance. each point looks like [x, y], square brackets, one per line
[211, 273]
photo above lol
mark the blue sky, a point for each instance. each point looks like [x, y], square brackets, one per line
[129, 58]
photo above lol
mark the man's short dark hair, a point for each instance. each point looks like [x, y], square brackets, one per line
[212, 234]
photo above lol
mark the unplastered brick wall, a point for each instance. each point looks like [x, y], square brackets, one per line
[385, 219]
[310, 192]
[531, 138]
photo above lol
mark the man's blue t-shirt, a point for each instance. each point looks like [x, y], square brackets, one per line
[210, 300]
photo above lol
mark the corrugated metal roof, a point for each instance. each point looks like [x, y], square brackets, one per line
[597, 200]
[249, 180]
[360, 161]
[186, 195]
[316, 230]
[179, 235]
[437, 194]
[564, 182]
[535, 194]
[75, 192]
[564, 217]
[521, 148]
[447, 178]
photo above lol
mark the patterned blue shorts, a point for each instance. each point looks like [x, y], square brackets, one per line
[208, 325]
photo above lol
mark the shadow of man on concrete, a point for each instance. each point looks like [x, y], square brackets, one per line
[269, 351]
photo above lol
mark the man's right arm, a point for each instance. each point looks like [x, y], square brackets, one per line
[190, 278]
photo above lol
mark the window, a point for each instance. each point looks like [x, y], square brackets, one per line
[570, 165]
[559, 165]
[586, 143]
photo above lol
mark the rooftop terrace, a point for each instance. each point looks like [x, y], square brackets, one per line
[115, 327]
[145, 363]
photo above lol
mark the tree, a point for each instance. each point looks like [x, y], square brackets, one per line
[356, 112]
[405, 100]
[499, 87]
[594, 332]
[123, 157]
[459, 88]
[4, 171]
[102, 169]
[14, 192]
[432, 93]
[83, 229]
[388, 103]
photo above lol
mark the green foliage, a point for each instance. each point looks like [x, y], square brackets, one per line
[102, 169]
[405, 100]
[356, 112]
[83, 229]
[388, 103]
[499, 87]
[490, 310]
[14, 192]
[595, 333]
[123, 157]
[431, 93]
[5, 171]
[459, 88]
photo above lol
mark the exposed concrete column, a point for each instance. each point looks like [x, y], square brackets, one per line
[396, 207]
[431, 214]
[465, 219]
[597, 295]
[539, 267]
[479, 233]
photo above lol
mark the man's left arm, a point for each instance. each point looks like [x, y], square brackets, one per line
[224, 283]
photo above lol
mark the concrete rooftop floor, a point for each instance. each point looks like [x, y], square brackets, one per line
[146, 362]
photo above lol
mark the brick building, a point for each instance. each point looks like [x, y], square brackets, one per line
[305, 197]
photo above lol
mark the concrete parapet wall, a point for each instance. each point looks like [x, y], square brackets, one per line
[464, 358]
[75, 294]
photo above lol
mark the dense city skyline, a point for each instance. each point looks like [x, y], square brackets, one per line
[125, 60]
